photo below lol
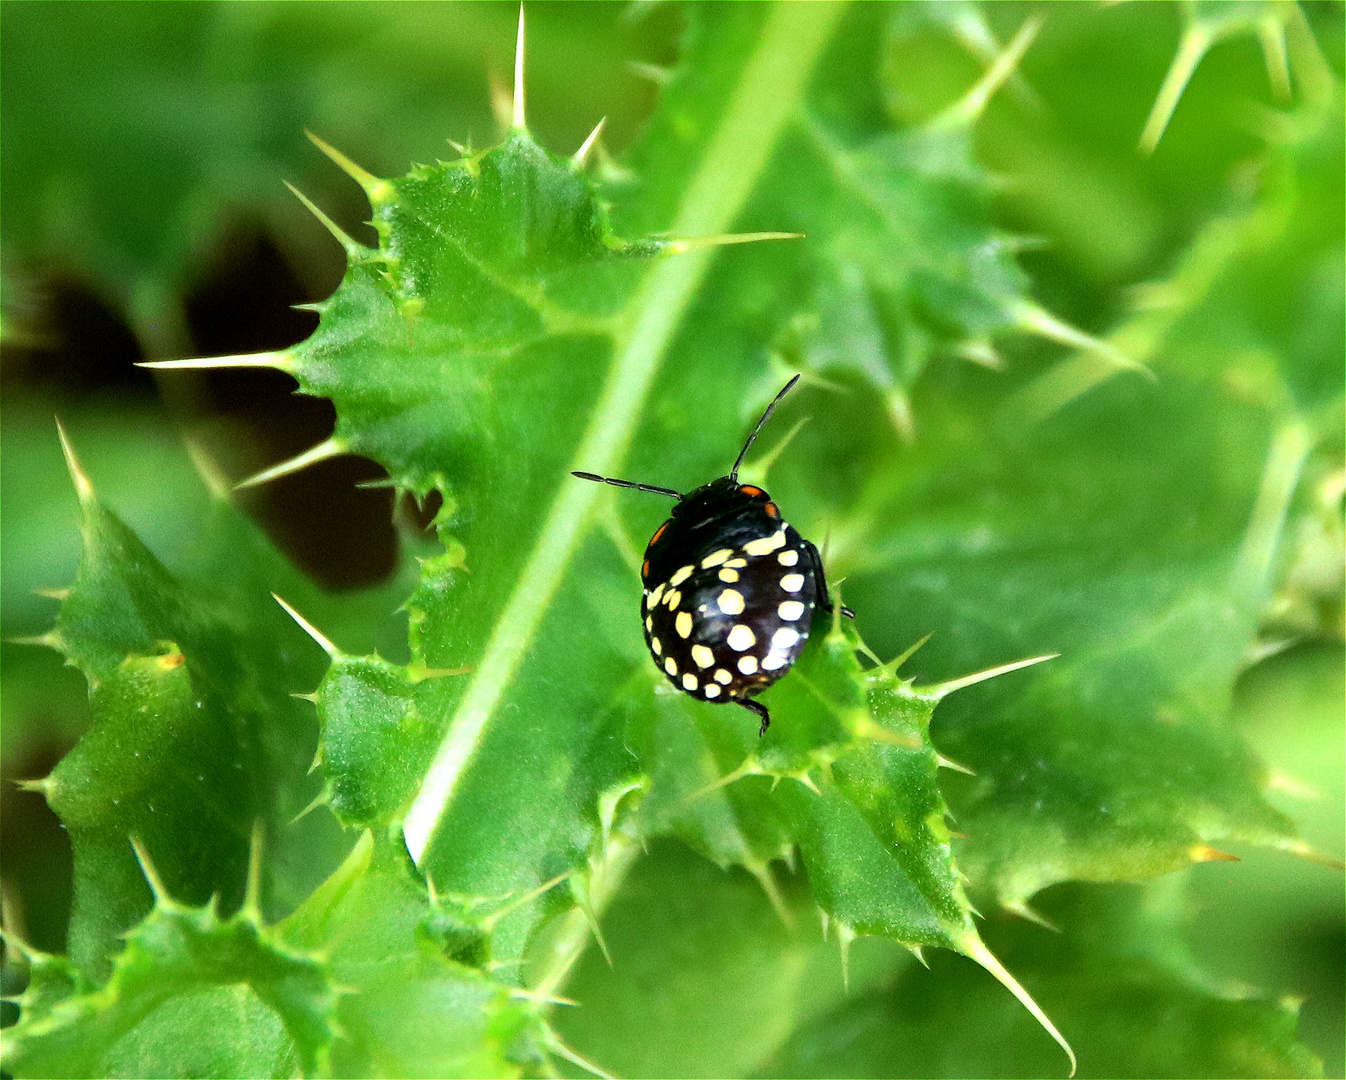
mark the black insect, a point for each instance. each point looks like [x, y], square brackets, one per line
[730, 588]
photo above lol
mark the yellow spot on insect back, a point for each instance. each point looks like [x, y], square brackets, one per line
[741, 637]
[730, 602]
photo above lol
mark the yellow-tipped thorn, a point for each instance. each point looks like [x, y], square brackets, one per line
[750, 767]
[51, 639]
[805, 779]
[1196, 39]
[845, 935]
[322, 798]
[762, 872]
[540, 999]
[53, 594]
[306, 697]
[981, 353]
[252, 891]
[376, 190]
[592, 919]
[1018, 907]
[1271, 33]
[281, 361]
[919, 953]
[83, 486]
[330, 448]
[660, 76]
[151, 874]
[38, 787]
[1305, 850]
[1036, 320]
[972, 946]
[561, 1048]
[974, 102]
[311, 630]
[898, 661]
[519, 119]
[354, 251]
[216, 482]
[1289, 785]
[1206, 853]
[489, 922]
[581, 155]
[954, 766]
[694, 243]
[944, 689]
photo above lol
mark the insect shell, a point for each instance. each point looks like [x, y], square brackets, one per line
[730, 588]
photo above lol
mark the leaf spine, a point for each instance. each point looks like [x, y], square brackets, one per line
[519, 120]
[581, 155]
[330, 448]
[377, 190]
[1192, 46]
[695, 243]
[281, 361]
[83, 486]
[311, 630]
[944, 689]
[355, 252]
[969, 108]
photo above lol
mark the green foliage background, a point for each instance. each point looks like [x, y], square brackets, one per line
[1062, 396]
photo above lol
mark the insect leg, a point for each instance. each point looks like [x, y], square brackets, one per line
[758, 708]
[821, 577]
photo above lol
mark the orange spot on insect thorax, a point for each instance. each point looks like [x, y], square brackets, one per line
[645, 570]
[658, 533]
[750, 491]
[771, 510]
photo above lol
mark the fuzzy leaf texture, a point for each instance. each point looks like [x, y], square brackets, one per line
[527, 796]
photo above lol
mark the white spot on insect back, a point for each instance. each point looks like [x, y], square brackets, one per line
[711, 690]
[730, 602]
[747, 665]
[784, 638]
[722, 676]
[790, 610]
[766, 544]
[716, 557]
[682, 575]
[792, 582]
[683, 624]
[702, 656]
[788, 558]
[741, 637]
[726, 574]
[774, 662]
[670, 665]
[689, 682]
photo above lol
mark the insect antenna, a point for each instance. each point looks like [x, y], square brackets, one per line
[733, 473]
[628, 484]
